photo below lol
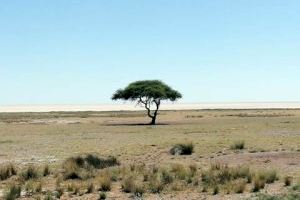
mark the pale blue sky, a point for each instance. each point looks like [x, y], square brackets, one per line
[80, 52]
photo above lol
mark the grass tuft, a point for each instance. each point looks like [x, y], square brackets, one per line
[31, 172]
[13, 192]
[7, 171]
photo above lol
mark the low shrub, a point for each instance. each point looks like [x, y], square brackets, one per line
[240, 144]
[182, 149]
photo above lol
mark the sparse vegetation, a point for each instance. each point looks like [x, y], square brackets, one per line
[147, 166]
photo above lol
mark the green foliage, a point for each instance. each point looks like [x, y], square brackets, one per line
[146, 93]
[182, 149]
[240, 144]
[148, 88]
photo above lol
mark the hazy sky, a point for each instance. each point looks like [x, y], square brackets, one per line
[80, 52]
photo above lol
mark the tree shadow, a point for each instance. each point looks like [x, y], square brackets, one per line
[136, 124]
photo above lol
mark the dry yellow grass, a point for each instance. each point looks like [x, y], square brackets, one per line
[272, 138]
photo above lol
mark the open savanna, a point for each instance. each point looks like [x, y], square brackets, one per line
[271, 141]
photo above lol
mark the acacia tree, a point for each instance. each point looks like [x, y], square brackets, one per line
[148, 93]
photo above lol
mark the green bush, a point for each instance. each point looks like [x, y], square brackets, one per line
[240, 144]
[182, 149]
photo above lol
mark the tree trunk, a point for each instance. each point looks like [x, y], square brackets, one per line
[153, 121]
[155, 112]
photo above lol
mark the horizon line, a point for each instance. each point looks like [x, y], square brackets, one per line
[135, 107]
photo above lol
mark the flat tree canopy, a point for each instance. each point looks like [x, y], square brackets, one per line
[147, 93]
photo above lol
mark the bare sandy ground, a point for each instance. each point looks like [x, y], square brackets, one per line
[133, 107]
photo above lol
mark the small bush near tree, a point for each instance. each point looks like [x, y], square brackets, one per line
[238, 145]
[182, 149]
